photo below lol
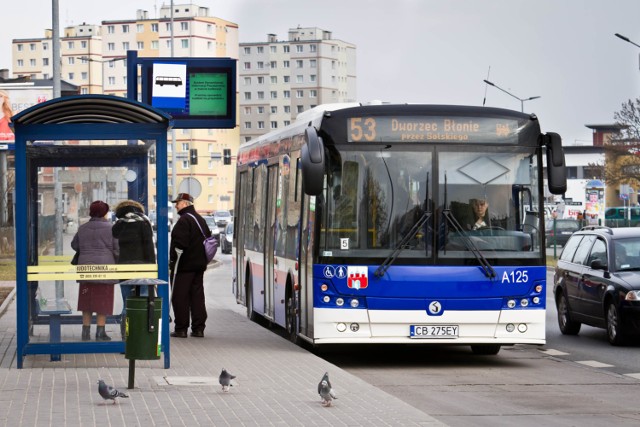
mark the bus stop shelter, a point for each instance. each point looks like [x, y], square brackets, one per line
[68, 152]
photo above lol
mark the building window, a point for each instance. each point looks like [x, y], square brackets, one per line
[260, 95]
[299, 48]
[299, 79]
[247, 50]
[185, 43]
[312, 63]
[286, 94]
[209, 28]
[71, 75]
[274, 109]
[45, 46]
[247, 125]
[20, 63]
[299, 63]
[125, 45]
[20, 48]
[247, 96]
[260, 80]
[285, 49]
[125, 28]
[274, 80]
[260, 65]
[154, 28]
[84, 75]
[287, 109]
[184, 26]
[83, 44]
[111, 46]
[260, 49]
[247, 65]
[260, 125]
[45, 62]
[247, 81]
[272, 49]
[140, 28]
[84, 91]
[185, 164]
[261, 110]
[313, 93]
[155, 44]
[112, 81]
[71, 60]
[210, 182]
[274, 124]
[299, 108]
[299, 94]
[313, 48]
[247, 110]
[286, 79]
[70, 45]
[210, 45]
[185, 146]
[32, 62]
[167, 26]
[287, 122]
[312, 78]
[274, 64]
[285, 64]
[274, 94]
[140, 45]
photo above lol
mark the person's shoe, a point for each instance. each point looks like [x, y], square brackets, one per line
[179, 334]
[101, 335]
[198, 334]
[86, 333]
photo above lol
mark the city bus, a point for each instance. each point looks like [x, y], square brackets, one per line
[354, 224]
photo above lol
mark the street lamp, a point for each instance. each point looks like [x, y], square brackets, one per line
[621, 37]
[510, 94]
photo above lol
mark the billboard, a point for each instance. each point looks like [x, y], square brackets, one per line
[18, 97]
[199, 93]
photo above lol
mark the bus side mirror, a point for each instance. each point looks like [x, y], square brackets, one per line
[556, 170]
[312, 159]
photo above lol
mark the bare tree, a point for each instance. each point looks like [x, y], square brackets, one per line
[622, 153]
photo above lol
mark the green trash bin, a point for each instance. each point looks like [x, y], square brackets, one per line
[142, 330]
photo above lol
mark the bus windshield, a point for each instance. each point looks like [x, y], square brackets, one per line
[376, 195]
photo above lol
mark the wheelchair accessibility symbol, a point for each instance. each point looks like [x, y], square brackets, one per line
[329, 272]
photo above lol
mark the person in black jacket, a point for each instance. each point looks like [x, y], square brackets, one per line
[135, 237]
[188, 267]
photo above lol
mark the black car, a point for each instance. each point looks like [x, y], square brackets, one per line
[597, 282]
[564, 228]
[226, 239]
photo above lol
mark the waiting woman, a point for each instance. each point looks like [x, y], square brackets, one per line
[96, 245]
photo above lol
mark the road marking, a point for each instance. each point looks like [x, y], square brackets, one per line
[552, 352]
[594, 363]
[636, 376]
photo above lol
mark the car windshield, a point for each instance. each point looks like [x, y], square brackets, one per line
[223, 214]
[627, 254]
[229, 229]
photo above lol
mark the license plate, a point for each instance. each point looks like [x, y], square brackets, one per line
[433, 331]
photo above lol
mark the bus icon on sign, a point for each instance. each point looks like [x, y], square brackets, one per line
[168, 80]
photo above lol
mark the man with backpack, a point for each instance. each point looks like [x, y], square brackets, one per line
[188, 262]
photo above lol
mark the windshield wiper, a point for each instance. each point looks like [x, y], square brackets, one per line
[486, 266]
[402, 244]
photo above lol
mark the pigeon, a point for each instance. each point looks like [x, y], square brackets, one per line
[225, 380]
[107, 392]
[325, 391]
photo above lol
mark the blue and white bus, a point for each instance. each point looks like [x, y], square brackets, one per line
[355, 224]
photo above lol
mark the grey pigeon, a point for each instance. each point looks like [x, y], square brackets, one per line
[107, 392]
[225, 380]
[325, 390]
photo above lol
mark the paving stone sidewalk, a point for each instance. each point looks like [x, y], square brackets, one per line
[276, 382]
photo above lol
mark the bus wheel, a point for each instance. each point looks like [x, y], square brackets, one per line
[292, 318]
[485, 349]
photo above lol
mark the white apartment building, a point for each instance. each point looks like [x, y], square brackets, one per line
[93, 57]
[280, 79]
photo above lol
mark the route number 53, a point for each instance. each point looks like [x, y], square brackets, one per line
[362, 129]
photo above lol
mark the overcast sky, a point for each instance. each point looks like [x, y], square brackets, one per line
[433, 51]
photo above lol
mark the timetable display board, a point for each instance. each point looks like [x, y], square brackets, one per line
[199, 93]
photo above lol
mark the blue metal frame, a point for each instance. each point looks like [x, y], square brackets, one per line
[32, 125]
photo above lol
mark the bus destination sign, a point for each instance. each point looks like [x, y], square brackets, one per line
[432, 129]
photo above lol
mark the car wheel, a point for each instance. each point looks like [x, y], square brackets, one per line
[485, 349]
[566, 324]
[615, 334]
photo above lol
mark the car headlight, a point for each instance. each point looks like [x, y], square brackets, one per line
[632, 296]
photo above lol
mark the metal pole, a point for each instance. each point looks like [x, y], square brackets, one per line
[174, 150]
[57, 186]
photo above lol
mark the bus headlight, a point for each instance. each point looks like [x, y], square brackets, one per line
[511, 327]
[522, 327]
[341, 327]
[524, 302]
[355, 303]
[339, 302]
[511, 303]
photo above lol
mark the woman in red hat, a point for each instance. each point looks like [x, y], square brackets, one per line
[96, 245]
